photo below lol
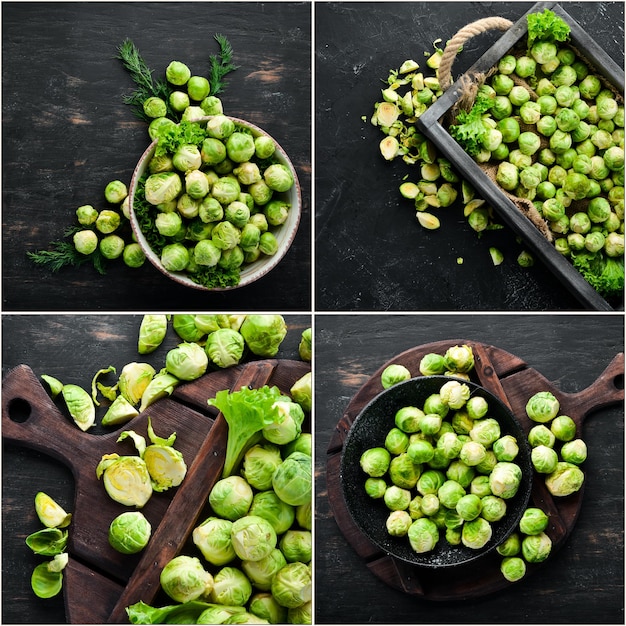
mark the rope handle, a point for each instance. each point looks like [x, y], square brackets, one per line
[462, 36]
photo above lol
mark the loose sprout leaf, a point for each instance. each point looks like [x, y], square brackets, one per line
[95, 386]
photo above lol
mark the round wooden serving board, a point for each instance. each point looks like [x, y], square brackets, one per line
[514, 382]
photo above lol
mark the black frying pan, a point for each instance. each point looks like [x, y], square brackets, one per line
[370, 429]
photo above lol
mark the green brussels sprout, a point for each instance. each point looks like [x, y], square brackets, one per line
[240, 147]
[506, 65]
[302, 443]
[278, 177]
[225, 235]
[434, 405]
[513, 568]
[614, 245]
[420, 451]
[430, 481]
[432, 364]
[253, 537]
[196, 184]
[375, 461]
[177, 73]
[269, 506]
[244, 617]
[206, 253]
[134, 379]
[472, 453]
[188, 361]
[262, 572]
[529, 143]
[288, 426]
[460, 473]
[163, 187]
[396, 441]
[86, 215]
[225, 347]
[231, 587]
[268, 244]
[469, 507]
[226, 190]
[375, 487]
[510, 546]
[507, 176]
[423, 535]
[449, 444]
[168, 224]
[574, 451]
[407, 419]
[476, 408]
[212, 105]
[396, 498]
[198, 88]
[305, 347]
[534, 521]
[510, 129]
[459, 359]
[488, 463]
[536, 548]
[403, 472]
[485, 431]
[449, 493]
[552, 209]
[248, 173]
[493, 508]
[264, 334]
[398, 523]
[212, 538]
[544, 459]
[115, 192]
[506, 448]
[260, 192]
[231, 497]
[454, 394]
[293, 479]
[161, 385]
[220, 127]
[430, 423]
[292, 585]
[430, 504]
[580, 223]
[184, 579]
[302, 393]
[85, 241]
[505, 479]
[129, 532]
[476, 533]
[111, 246]
[297, 545]
[259, 464]
[50, 513]
[175, 257]
[212, 151]
[266, 608]
[614, 158]
[264, 147]
[394, 373]
[563, 428]
[502, 84]
[48, 541]
[178, 101]
[566, 479]
[542, 407]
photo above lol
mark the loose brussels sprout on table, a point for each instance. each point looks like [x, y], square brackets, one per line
[129, 532]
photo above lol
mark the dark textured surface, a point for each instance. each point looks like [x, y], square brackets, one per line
[72, 349]
[364, 228]
[67, 133]
[583, 582]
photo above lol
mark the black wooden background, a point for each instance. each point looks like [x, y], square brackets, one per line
[583, 583]
[67, 133]
[371, 253]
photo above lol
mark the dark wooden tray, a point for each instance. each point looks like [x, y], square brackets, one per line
[430, 124]
[513, 381]
[99, 583]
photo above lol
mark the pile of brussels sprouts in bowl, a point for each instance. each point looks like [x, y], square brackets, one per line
[215, 202]
[436, 471]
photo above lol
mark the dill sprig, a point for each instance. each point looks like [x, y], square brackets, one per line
[220, 65]
[63, 253]
[141, 75]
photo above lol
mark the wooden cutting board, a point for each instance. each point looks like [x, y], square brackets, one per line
[99, 582]
[514, 382]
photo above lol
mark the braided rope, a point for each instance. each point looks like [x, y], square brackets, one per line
[462, 36]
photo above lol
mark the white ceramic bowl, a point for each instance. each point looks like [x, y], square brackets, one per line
[250, 272]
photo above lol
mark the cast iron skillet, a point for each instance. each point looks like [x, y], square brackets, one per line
[369, 430]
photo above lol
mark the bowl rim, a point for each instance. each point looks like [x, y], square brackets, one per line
[265, 265]
[429, 560]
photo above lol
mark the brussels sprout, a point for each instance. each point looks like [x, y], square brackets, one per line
[240, 147]
[430, 423]
[161, 385]
[614, 245]
[476, 408]
[393, 374]
[168, 224]
[506, 448]
[253, 537]
[305, 347]
[304, 515]
[375, 487]
[476, 533]
[163, 187]
[534, 521]
[396, 498]
[129, 532]
[454, 394]
[505, 479]
[292, 585]
[511, 545]
[278, 177]
[188, 361]
[493, 508]
[430, 504]
[293, 479]
[566, 479]
[563, 428]
[288, 426]
[544, 459]
[449, 493]
[262, 572]
[542, 407]
[48, 541]
[450, 445]
[86, 215]
[152, 331]
[50, 513]
[225, 347]
[165, 464]
[472, 453]
[231, 497]
[85, 241]
[403, 472]
[80, 406]
[126, 479]
[177, 73]
[485, 431]
[536, 548]
[469, 506]
[513, 568]
[184, 579]
[263, 606]
[206, 253]
[432, 364]
[264, 334]
[269, 506]
[259, 464]
[423, 535]
[375, 461]
[302, 392]
[212, 538]
[407, 419]
[119, 412]
[398, 523]
[174, 257]
[459, 359]
[297, 545]
[134, 379]
[420, 451]
[396, 441]
[574, 451]
[460, 473]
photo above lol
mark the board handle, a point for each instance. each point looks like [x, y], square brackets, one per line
[31, 419]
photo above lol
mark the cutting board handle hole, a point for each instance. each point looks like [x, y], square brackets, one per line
[19, 410]
[618, 381]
